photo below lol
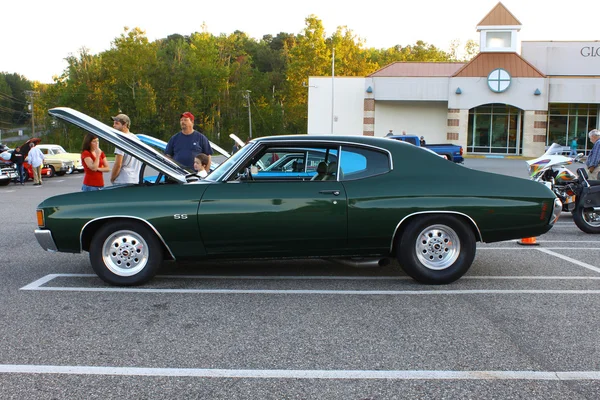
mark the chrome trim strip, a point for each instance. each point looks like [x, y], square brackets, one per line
[45, 239]
[480, 238]
[126, 217]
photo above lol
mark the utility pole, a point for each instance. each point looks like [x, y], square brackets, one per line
[247, 96]
[31, 94]
[332, 86]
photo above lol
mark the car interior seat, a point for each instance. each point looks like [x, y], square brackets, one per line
[331, 172]
[321, 172]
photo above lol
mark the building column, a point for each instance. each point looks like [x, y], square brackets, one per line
[369, 118]
[534, 133]
[457, 126]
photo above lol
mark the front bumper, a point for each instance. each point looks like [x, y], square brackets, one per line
[45, 239]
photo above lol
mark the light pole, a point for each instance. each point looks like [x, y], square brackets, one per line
[332, 86]
[247, 95]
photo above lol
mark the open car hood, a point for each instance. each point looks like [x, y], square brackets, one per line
[139, 150]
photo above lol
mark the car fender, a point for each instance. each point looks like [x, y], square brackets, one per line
[88, 230]
[404, 221]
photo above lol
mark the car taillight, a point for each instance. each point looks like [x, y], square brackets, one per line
[40, 218]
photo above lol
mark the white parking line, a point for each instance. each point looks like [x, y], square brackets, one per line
[37, 285]
[569, 259]
[302, 374]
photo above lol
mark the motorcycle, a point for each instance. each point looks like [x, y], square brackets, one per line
[578, 194]
[551, 170]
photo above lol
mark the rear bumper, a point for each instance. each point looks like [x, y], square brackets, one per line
[45, 239]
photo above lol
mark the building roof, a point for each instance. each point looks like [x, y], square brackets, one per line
[418, 69]
[484, 63]
[499, 16]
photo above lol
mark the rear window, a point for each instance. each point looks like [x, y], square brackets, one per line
[358, 163]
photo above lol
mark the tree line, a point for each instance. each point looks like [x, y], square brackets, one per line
[214, 77]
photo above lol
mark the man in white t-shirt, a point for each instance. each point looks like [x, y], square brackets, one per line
[126, 169]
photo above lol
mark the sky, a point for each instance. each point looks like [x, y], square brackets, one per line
[36, 36]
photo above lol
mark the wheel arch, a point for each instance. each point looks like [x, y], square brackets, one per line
[92, 226]
[406, 220]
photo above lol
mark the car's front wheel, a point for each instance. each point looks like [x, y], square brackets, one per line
[125, 253]
[51, 172]
[436, 249]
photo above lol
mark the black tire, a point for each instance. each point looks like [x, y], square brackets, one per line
[436, 249]
[125, 253]
[51, 171]
[587, 219]
[4, 182]
[25, 175]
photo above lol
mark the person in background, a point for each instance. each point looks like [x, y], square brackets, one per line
[94, 164]
[573, 152]
[390, 133]
[593, 159]
[185, 145]
[18, 159]
[201, 165]
[35, 158]
[126, 169]
[235, 147]
[422, 141]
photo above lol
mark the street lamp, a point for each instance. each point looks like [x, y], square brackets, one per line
[247, 96]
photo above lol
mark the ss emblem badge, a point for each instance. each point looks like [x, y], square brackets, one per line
[180, 216]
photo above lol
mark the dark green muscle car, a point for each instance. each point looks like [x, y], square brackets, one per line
[351, 198]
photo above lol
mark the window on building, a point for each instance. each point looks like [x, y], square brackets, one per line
[495, 128]
[571, 121]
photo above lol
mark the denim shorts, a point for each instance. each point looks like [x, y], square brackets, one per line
[86, 188]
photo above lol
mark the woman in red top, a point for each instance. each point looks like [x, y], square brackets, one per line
[94, 164]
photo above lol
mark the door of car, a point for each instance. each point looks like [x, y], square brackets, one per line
[275, 216]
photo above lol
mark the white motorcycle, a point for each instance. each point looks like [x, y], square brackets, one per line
[551, 170]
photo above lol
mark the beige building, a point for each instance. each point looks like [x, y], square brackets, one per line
[513, 98]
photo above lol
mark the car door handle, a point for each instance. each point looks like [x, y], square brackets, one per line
[333, 192]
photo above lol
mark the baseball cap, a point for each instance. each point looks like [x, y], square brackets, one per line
[122, 118]
[187, 114]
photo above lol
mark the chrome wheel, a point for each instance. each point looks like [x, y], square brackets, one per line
[125, 253]
[437, 247]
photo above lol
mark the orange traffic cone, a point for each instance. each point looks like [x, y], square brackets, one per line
[530, 241]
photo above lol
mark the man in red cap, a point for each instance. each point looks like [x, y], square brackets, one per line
[184, 146]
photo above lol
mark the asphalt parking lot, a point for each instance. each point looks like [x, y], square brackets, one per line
[523, 323]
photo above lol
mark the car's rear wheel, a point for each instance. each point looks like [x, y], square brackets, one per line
[125, 253]
[25, 175]
[436, 249]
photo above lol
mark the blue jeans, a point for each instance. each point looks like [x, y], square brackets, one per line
[86, 188]
[21, 172]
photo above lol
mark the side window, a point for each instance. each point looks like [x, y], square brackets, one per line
[357, 163]
[293, 163]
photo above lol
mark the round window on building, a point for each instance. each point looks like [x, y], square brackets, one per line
[498, 80]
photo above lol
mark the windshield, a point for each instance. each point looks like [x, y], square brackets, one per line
[222, 169]
[58, 150]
